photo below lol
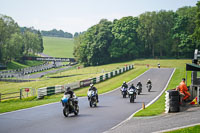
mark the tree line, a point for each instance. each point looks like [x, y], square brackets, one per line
[161, 34]
[57, 33]
[16, 42]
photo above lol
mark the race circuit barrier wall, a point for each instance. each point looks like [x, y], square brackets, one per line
[172, 101]
[47, 91]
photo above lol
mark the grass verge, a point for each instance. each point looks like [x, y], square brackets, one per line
[193, 129]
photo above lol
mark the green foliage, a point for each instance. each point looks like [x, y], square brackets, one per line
[57, 33]
[15, 44]
[125, 43]
[193, 129]
[196, 34]
[91, 47]
[156, 34]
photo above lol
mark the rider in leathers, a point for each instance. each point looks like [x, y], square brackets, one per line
[95, 90]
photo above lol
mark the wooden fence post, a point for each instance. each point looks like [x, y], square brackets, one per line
[20, 94]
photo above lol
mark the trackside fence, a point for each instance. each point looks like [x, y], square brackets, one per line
[46, 91]
[22, 93]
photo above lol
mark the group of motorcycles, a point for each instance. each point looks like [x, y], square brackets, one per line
[70, 101]
[133, 92]
[71, 104]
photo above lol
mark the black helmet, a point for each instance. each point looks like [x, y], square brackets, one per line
[68, 88]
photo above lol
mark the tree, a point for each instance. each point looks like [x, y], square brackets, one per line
[196, 34]
[124, 44]
[91, 47]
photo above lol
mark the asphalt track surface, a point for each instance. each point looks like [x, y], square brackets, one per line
[162, 123]
[111, 110]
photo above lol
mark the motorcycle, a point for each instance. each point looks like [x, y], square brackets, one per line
[70, 105]
[92, 98]
[139, 89]
[149, 86]
[158, 65]
[124, 92]
[132, 95]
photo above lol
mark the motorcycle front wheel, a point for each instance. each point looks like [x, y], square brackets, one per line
[91, 103]
[76, 110]
[65, 111]
[131, 99]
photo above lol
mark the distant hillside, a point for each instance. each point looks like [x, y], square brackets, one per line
[56, 33]
[58, 47]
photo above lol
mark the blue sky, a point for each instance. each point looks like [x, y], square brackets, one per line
[78, 15]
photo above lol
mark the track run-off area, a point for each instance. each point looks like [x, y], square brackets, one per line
[111, 110]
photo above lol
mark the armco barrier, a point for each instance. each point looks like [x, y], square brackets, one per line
[42, 92]
[50, 90]
[59, 89]
[46, 91]
[86, 82]
[74, 85]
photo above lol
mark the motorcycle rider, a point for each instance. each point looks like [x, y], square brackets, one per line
[139, 84]
[149, 82]
[95, 90]
[124, 85]
[158, 65]
[71, 93]
[132, 87]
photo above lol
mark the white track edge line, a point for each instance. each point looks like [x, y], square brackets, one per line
[176, 128]
[58, 102]
[146, 106]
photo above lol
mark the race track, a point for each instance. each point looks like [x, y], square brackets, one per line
[111, 110]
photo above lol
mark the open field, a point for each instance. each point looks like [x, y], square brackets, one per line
[58, 47]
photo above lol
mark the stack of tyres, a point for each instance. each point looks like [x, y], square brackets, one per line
[174, 101]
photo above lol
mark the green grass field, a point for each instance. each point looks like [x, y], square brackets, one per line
[58, 47]
[193, 129]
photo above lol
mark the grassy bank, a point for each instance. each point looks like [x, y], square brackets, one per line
[193, 129]
[58, 47]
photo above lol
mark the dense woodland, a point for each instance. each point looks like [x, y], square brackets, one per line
[16, 42]
[57, 33]
[161, 34]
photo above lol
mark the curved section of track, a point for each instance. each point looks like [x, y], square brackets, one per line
[111, 110]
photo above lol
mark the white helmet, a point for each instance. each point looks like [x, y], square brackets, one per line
[124, 82]
[148, 79]
[91, 85]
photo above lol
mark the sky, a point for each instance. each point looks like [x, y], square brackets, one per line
[79, 15]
